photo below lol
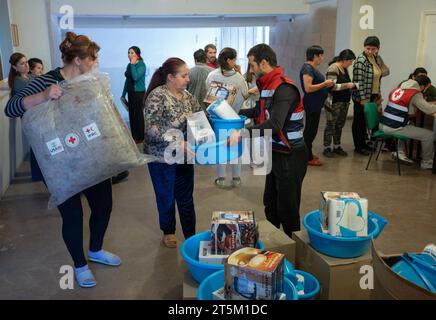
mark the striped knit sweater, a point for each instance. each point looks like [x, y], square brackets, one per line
[15, 107]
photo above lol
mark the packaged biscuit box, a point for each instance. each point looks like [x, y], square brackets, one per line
[343, 214]
[253, 274]
[232, 230]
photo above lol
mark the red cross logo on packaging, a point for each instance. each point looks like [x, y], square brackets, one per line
[397, 94]
[72, 140]
[91, 131]
[55, 146]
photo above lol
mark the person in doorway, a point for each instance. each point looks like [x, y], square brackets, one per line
[314, 86]
[167, 106]
[211, 61]
[80, 55]
[36, 68]
[229, 74]
[404, 101]
[197, 77]
[18, 73]
[337, 103]
[280, 109]
[134, 88]
[368, 70]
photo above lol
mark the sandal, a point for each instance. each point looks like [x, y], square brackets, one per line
[169, 241]
[86, 279]
[105, 258]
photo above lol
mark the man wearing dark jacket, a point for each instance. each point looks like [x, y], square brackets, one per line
[279, 109]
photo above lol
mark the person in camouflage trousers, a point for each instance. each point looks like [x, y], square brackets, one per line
[337, 102]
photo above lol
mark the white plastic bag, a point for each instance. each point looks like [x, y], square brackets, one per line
[80, 139]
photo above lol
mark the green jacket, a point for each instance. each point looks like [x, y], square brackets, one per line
[135, 73]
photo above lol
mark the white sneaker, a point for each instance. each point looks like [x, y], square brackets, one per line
[426, 164]
[402, 157]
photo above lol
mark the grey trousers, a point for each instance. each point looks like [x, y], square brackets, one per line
[416, 133]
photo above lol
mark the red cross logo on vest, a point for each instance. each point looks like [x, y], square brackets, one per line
[72, 140]
[397, 94]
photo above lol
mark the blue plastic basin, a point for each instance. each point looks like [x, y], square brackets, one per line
[342, 247]
[216, 153]
[216, 281]
[189, 251]
[417, 269]
[311, 284]
[225, 127]
[220, 152]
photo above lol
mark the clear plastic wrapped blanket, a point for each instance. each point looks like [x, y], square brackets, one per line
[80, 139]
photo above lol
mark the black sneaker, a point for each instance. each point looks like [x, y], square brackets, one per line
[339, 151]
[328, 153]
[363, 152]
[120, 177]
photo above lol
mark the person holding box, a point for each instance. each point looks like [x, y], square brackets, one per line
[279, 109]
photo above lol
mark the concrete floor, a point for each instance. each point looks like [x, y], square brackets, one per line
[32, 251]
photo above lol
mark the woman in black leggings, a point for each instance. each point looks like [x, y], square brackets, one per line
[79, 54]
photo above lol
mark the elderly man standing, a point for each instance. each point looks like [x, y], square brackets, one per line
[197, 77]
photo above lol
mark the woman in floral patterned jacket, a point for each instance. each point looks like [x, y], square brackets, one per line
[167, 105]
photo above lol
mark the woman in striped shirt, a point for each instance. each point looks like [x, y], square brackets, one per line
[79, 54]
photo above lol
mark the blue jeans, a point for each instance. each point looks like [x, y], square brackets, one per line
[174, 183]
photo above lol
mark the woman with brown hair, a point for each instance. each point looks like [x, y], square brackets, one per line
[18, 72]
[80, 55]
[167, 105]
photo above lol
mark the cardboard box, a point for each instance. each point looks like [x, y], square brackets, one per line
[232, 230]
[218, 295]
[339, 278]
[199, 129]
[219, 90]
[343, 214]
[253, 274]
[390, 286]
[276, 240]
[205, 254]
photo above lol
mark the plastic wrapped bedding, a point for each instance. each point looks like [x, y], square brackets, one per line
[80, 139]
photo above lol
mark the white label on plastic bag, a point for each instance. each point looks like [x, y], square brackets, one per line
[72, 140]
[91, 131]
[55, 146]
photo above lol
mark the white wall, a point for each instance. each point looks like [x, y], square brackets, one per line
[181, 7]
[11, 148]
[397, 24]
[291, 39]
[32, 16]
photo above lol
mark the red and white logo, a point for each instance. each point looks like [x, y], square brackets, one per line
[55, 146]
[397, 94]
[91, 131]
[72, 140]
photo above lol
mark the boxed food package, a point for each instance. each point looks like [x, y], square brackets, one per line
[232, 230]
[221, 109]
[344, 214]
[199, 129]
[253, 274]
[219, 90]
[205, 254]
[80, 139]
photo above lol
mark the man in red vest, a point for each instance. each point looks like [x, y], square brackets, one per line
[279, 109]
[404, 101]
